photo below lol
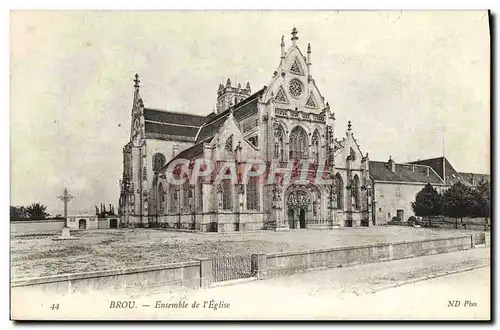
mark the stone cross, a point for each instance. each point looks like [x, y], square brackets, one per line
[65, 197]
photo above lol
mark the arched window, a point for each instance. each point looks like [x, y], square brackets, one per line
[227, 192]
[158, 161]
[279, 137]
[339, 192]
[298, 143]
[229, 144]
[252, 194]
[315, 147]
[352, 154]
[356, 192]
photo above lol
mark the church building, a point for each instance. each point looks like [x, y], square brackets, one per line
[286, 123]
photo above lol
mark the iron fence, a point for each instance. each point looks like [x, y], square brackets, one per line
[231, 267]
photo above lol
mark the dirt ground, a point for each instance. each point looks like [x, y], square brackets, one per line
[34, 255]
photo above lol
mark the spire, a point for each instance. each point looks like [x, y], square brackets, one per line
[349, 129]
[228, 84]
[136, 81]
[309, 48]
[248, 86]
[294, 35]
[137, 97]
[282, 47]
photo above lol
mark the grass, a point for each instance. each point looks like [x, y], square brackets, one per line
[39, 255]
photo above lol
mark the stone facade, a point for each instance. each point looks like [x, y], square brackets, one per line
[285, 122]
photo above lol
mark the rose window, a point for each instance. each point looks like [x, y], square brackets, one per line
[296, 88]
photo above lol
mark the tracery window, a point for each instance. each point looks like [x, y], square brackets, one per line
[252, 194]
[315, 147]
[227, 192]
[298, 143]
[295, 88]
[229, 144]
[339, 192]
[158, 161]
[279, 136]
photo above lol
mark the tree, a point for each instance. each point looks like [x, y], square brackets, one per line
[427, 202]
[458, 202]
[36, 211]
[18, 213]
[481, 201]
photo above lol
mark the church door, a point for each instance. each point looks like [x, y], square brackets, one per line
[302, 218]
[82, 224]
[291, 220]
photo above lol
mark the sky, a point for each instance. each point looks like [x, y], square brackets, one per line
[405, 79]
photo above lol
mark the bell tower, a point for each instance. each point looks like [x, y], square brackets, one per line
[228, 95]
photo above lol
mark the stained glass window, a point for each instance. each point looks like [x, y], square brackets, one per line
[298, 143]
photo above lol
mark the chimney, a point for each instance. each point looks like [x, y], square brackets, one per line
[413, 168]
[391, 164]
[175, 151]
[428, 171]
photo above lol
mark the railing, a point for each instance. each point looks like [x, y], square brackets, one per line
[231, 267]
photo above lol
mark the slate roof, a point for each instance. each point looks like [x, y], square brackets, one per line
[379, 171]
[171, 130]
[475, 178]
[173, 117]
[452, 176]
[166, 124]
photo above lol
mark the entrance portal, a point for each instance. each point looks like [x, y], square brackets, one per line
[113, 223]
[82, 224]
[302, 218]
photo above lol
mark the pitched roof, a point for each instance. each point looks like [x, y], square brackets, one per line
[173, 117]
[475, 178]
[380, 171]
[440, 163]
[161, 124]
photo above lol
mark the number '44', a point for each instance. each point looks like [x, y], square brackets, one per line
[54, 306]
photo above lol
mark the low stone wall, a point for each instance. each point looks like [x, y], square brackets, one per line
[284, 263]
[185, 274]
[36, 226]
